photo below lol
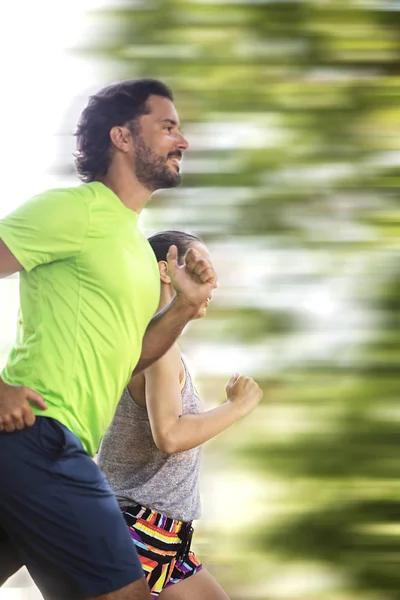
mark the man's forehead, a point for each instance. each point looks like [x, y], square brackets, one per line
[162, 109]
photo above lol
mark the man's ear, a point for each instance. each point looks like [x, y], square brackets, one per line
[121, 138]
[163, 267]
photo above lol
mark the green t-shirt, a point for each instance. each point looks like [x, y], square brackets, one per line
[89, 288]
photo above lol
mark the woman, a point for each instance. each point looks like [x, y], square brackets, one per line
[151, 453]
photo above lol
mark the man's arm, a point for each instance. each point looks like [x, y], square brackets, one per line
[15, 410]
[163, 330]
[194, 282]
[49, 227]
[8, 263]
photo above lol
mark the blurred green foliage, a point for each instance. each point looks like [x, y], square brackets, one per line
[293, 114]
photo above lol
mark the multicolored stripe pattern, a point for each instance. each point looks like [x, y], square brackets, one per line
[158, 544]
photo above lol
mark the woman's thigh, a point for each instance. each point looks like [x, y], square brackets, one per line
[200, 586]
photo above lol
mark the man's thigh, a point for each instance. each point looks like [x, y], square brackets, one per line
[10, 562]
[61, 515]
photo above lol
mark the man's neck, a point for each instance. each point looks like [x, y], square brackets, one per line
[128, 189]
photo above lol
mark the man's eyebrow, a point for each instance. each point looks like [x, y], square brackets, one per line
[171, 121]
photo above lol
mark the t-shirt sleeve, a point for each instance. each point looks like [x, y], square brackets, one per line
[51, 226]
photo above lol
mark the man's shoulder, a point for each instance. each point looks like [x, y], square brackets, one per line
[57, 204]
[81, 192]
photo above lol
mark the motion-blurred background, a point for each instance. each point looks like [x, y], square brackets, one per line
[293, 116]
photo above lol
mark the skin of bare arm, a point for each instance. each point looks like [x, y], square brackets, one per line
[15, 410]
[8, 263]
[173, 432]
[193, 282]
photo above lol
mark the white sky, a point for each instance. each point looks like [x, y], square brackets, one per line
[38, 84]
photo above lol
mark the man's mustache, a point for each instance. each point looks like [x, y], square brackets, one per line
[177, 154]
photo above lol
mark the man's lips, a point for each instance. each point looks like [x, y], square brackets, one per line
[176, 161]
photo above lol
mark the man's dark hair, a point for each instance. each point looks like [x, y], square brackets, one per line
[160, 242]
[115, 105]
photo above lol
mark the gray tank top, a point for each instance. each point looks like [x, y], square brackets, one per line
[139, 473]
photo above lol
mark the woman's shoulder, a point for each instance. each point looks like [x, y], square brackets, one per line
[136, 389]
[171, 363]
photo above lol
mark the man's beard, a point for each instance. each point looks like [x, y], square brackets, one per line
[152, 170]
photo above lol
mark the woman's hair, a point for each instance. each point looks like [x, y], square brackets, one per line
[115, 105]
[160, 242]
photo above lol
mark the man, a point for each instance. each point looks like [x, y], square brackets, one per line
[89, 287]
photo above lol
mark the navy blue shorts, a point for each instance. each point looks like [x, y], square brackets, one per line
[58, 511]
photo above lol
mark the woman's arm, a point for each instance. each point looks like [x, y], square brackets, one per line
[174, 432]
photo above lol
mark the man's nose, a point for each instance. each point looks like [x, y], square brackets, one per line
[183, 144]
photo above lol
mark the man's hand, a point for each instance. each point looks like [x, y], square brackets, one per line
[15, 410]
[195, 280]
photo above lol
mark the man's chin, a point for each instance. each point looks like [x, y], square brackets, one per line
[168, 180]
[173, 181]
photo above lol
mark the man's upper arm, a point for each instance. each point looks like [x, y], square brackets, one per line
[8, 263]
[49, 227]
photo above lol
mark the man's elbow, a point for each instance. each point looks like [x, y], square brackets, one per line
[144, 363]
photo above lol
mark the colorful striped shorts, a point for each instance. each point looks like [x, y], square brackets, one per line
[163, 545]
